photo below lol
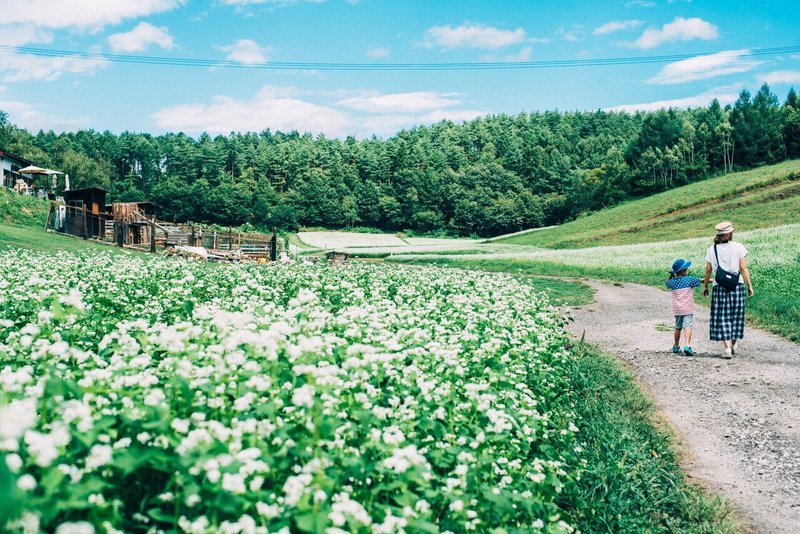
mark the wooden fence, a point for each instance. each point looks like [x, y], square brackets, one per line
[124, 229]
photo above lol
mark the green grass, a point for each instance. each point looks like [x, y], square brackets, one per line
[633, 469]
[775, 307]
[35, 238]
[22, 210]
[760, 198]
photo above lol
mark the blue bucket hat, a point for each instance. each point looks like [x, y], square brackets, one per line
[679, 265]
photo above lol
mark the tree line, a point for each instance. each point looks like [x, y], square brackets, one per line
[492, 175]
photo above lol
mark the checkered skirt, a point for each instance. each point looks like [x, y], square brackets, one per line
[727, 313]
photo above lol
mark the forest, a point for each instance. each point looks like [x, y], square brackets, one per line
[492, 175]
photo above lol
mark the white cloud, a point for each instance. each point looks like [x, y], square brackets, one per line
[523, 55]
[247, 51]
[23, 67]
[640, 3]
[788, 77]
[725, 95]
[22, 35]
[572, 34]
[472, 36]
[287, 109]
[413, 102]
[30, 118]
[680, 29]
[616, 25]
[272, 108]
[378, 52]
[704, 67]
[81, 14]
[141, 37]
[244, 3]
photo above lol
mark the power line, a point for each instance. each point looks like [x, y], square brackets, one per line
[332, 66]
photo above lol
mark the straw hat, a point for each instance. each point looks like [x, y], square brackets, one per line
[725, 227]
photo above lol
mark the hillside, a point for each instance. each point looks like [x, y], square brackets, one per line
[21, 210]
[22, 225]
[759, 198]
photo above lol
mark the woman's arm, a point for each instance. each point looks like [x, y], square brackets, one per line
[706, 278]
[746, 276]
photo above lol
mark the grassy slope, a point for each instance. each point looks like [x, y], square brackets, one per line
[633, 468]
[22, 225]
[759, 198]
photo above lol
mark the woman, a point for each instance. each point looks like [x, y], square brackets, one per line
[727, 305]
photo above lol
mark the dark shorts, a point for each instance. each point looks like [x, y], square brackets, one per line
[683, 321]
[726, 321]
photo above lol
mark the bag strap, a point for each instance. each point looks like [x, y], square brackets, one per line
[716, 255]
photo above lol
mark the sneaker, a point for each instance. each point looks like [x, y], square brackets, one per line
[733, 351]
[727, 355]
[688, 351]
[676, 349]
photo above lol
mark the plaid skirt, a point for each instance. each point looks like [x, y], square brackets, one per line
[727, 313]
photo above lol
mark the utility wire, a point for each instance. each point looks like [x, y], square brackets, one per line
[284, 65]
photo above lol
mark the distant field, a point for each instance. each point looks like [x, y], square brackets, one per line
[774, 262]
[759, 198]
[380, 244]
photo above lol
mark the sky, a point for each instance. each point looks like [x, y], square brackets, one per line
[375, 67]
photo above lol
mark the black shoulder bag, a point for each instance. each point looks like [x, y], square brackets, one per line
[724, 278]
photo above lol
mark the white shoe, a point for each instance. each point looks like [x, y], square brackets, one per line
[727, 355]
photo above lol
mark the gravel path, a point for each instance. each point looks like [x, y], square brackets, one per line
[739, 419]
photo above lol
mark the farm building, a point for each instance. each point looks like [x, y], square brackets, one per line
[85, 212]
[10, 165]
[131, 222]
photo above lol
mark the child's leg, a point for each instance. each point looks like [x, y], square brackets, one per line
[677, 338]
[688, 320]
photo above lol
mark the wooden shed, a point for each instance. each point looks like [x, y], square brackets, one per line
[93, 198]
[86, 212]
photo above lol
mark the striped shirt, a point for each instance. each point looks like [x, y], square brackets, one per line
[683, 294]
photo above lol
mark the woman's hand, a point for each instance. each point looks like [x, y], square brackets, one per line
[705, 291]
[750, 292]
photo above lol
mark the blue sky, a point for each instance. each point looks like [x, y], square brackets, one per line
[255, 58]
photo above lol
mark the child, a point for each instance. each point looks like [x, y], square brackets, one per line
[682, 286]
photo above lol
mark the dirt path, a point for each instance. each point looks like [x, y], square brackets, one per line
[738, 419]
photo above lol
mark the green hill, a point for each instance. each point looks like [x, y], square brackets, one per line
[759, 198]
[22, 225]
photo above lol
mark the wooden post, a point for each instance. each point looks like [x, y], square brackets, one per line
[85, 233]
[153, 234]
[230, 239]
[49, 215]
[193, 243]
[214, 242]
[273, 246]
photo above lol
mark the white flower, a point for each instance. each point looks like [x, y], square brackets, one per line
[180, 426]
[26, 482]
[81, 527]
[456, 506]
[17, 417]
[154, 397]
[233, 483]
[303, 396]
[44, 447]
[403, 458]
[14, 462]
[73, 299]
[99, 455]
[294, 487]
[393, 436]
